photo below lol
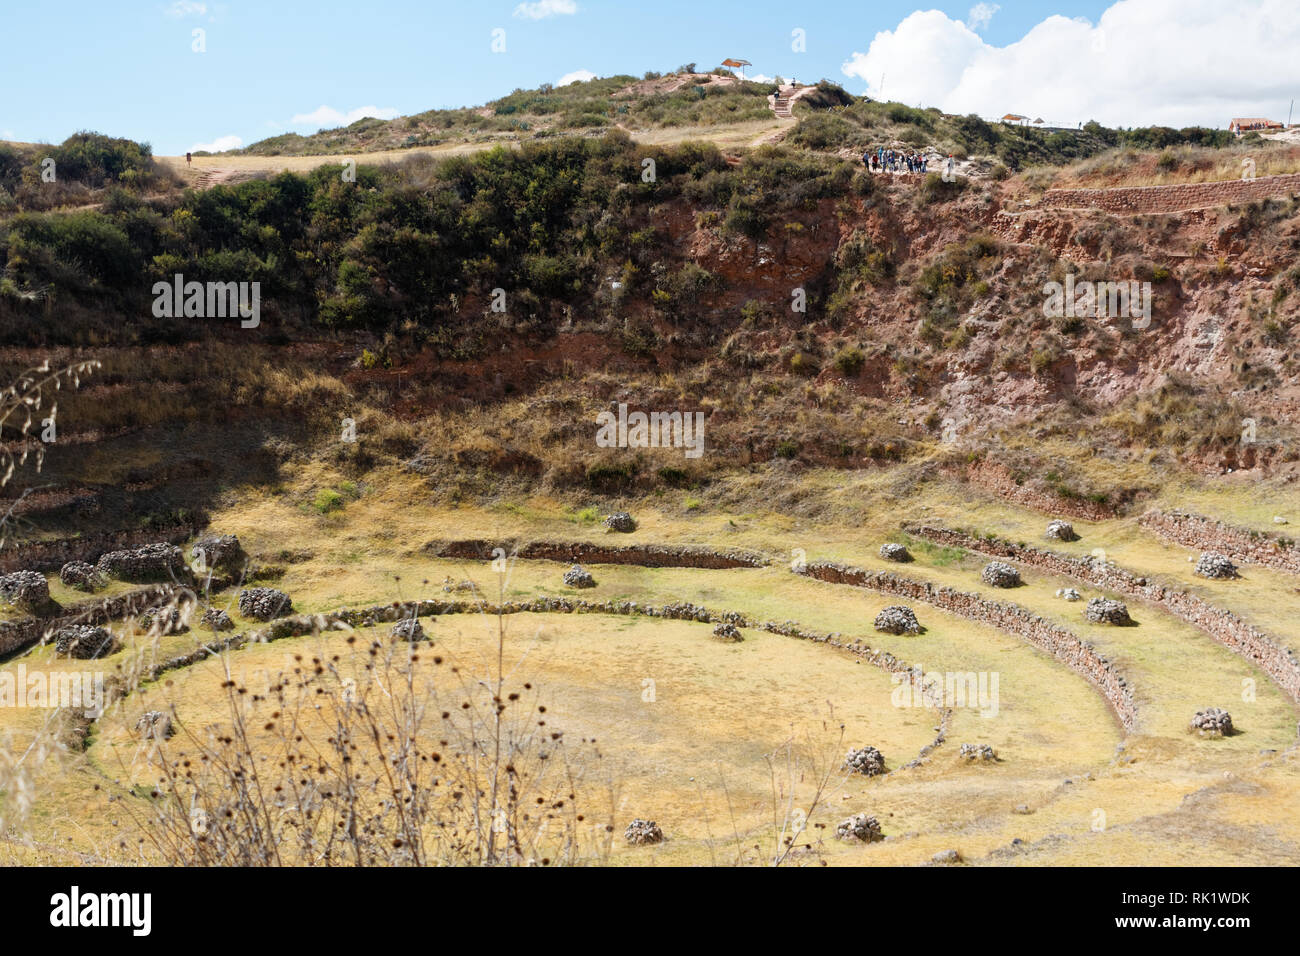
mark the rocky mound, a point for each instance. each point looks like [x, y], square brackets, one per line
[977, 752]
[219, 552]
[620, 521]
[726, 631]
[1106, 611]
[1211, 722]
[895, 552]
[264, 604]
[1068, 594]
[408, 629]
[216, 618]
[163, 620]
[579, 577]
[149, 562]
[83, 642]
[1000, 575]
[1059, 530]
[865, 760]
[27, 590]
[81, 576]
[859, 828]
[154, 725]
[1211, 564]
[642, 832]
[897, 619]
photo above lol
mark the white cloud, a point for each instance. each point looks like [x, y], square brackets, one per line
[186, 8]
[574, 77]
[326, 117]
[981, 15]
[1162, 62]
[542, 9]
[218, 145]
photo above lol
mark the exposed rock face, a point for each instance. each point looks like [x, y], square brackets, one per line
[895, 552]
[408, 629]
[154, 725]
[620, 521]
[897, 619]
[264, 604]
[1059, 530]
[865, 760]
[1211, 564]
[642, 832]
[1211, 722]
[82, 576]
[149, 562]
[977, 752]
[1000, 575]
[219, 552]
[725, 631]
[27, 590]
[83, 642]
[1068, 594]
[859, 828]
[579, 577]
[1106, 611]
[215, 617]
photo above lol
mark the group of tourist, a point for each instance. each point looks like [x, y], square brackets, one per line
[894, 161]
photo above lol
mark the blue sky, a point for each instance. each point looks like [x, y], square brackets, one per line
[128, 68]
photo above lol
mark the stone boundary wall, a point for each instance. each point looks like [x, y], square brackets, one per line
[582, 552]
[1240, 544]
[52, 555]
[304, 624]
[1223, 626]
[15, 635]
[1173, 198]
[1067, 647]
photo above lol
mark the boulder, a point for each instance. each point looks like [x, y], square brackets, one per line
[408, 629]
[726, 631]
[217, 619]
[1211, 564]
[264, 604]
[219, 552]
[897, 619]
[643, 832]
[946, 856]
[579, 577]
[1105, 611]
[1058, 530]
[865, 760]
[1068, 594]
[1211, 722]
[26, 590]
[895, 552]
[83, 641]
[154, 725]
[81, 576]
[620, 521]
[149, 562]
[859, 828]
[1000, 575]
[977, 752]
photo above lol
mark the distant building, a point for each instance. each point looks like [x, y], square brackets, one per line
[1015, 118]
[1241, 125]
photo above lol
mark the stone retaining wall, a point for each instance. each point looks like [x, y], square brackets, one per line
[52, 555]
[1242, 545]
[15, 635]
[1173, 198]
[1062, 644]
[582, 552]
[1225, 627]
